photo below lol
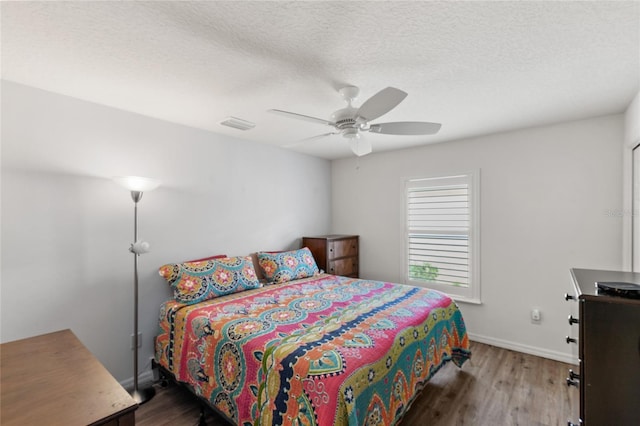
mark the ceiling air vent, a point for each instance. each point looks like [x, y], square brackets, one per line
[238, 123]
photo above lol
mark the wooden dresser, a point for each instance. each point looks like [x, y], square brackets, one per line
[608, 342]
[54, 380]
[335, 254]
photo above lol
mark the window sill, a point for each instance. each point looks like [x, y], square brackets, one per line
[470, 301]
[455, 297]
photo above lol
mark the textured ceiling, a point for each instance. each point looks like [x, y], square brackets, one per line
[476, 67]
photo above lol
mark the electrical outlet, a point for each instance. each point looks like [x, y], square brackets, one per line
[536, 316]
[133, 341]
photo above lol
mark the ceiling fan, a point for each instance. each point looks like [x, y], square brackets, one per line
[351, 122]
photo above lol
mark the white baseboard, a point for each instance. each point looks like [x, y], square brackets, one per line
[144, 378]
[519, 347]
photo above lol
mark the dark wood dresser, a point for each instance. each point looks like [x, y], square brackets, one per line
[335, 254]
[609, 350]
[53, 379]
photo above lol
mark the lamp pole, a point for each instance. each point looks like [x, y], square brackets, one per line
[137, 185]
[136, 196]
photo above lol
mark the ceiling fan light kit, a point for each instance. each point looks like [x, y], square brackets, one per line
[360, 146]
[351, 122]
[351, 133]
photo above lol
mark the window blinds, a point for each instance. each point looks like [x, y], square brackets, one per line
[438, 222]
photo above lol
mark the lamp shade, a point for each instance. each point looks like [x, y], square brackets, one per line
[137, 183]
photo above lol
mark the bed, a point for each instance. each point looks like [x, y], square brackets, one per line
[316, 350]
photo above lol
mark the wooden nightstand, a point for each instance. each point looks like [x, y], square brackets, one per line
[54, 380]
[335, 254]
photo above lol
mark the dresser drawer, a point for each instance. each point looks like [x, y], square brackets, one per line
[347, 266]
[343, 248]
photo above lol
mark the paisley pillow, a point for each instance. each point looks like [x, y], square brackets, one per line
[194, 282]
[288, 265]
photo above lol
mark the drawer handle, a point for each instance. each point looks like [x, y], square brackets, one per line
[568, 297]
[571, 382]
[571, 340]
[573, 320]
[573, 375]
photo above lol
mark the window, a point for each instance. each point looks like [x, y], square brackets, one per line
[442, 234]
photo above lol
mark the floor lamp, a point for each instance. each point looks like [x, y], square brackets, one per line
[137, 185]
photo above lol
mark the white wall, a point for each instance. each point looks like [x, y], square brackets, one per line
[545, 195]
[632, 122]
[66, 227]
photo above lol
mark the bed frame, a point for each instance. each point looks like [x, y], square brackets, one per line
[167, 377]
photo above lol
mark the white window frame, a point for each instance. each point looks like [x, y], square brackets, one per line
[470, 294]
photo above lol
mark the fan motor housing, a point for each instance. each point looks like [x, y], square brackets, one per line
[345, 118]
[347, 123]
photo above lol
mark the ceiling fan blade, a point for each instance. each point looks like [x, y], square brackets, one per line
[301, 117]
[406, 128]
[360, 146]
[380, 103]
[301, 141]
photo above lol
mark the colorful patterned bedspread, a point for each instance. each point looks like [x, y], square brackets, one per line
[326, 350]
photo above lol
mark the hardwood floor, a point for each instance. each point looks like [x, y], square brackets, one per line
[496, 387]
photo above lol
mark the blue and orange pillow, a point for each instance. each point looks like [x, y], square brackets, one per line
[204, 279]
[280, 267]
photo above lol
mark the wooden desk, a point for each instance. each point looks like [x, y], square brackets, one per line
[54, 380]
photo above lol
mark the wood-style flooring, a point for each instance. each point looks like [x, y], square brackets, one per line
[497, 387]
